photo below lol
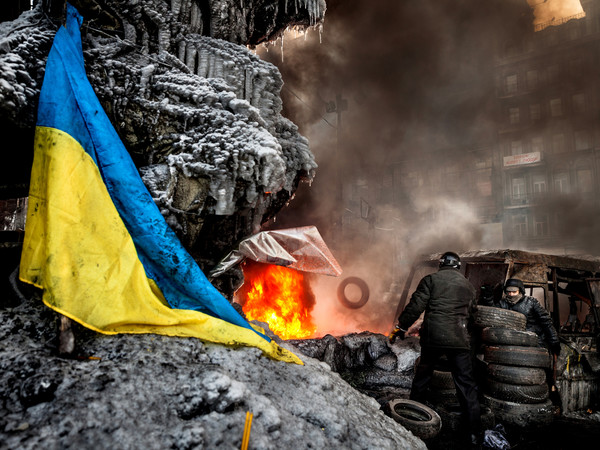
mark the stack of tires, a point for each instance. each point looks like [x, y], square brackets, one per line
[441, 389]
[442, 397]
[515, 386]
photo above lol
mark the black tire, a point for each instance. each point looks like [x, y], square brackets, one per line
[451, 417]
[364, 292]
[507, 336]
[491, 316]
[442, 364]
[514, 355]
[519, 414]
[441, 396]
[516, 375]
[518, 393]
[416, 417]
[442, 380]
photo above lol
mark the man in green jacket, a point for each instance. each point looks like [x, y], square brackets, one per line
[449, 302]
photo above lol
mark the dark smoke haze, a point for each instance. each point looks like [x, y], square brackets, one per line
[418, 79]
[415, 74]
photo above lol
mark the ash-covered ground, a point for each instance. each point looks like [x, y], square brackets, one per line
[155, 392]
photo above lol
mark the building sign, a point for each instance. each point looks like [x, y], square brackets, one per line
[525, 158]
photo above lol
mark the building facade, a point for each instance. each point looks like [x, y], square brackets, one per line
[548, 138]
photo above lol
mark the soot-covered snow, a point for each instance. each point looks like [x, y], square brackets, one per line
[155, 392]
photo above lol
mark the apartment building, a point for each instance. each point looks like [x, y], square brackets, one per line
[548, 138]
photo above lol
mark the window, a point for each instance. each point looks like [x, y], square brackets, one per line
[484, 183]
[576, 68]
[539, 184]
[516, 148]
[511, 84]
[537, 144]
[574, 30]
[512, 48]
[582, 140]
[482, 162]
[561, 183]
[584, 180]
[513, 115]
[553, 73]
[578, 103]
[584, 29]
[519, 225]
[484, 188]
[558, 143]
[535, 112]
[539, 294]
[518, 188]
[556, 107]
[540, 225]
[532, 79]
[410, 179]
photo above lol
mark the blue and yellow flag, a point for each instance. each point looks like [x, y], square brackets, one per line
[95, 241]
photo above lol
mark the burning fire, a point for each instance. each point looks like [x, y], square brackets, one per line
[279, 296]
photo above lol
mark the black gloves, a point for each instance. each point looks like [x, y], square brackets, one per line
[556, 348]
[397, 333]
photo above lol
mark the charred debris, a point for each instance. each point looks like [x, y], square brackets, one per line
[567, 286]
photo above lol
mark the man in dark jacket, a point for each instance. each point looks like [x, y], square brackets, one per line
[538, 319]
[448, 300]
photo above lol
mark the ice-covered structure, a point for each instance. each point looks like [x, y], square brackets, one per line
[199, 112]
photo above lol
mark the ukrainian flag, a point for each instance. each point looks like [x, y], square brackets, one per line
[95, 241]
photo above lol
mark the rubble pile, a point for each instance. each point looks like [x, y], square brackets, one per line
[367, 361]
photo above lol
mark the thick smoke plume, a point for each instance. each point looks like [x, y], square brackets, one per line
[416, 82]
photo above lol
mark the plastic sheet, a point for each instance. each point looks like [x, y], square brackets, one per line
[300, 248]
[495, 439]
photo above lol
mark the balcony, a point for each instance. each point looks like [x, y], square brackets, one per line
[518, 200]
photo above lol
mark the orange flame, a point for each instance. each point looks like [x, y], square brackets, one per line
[279, 296]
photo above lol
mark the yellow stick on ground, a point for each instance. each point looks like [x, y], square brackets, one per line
[247, 427]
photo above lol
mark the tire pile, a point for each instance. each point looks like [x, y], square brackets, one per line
[442, 397]
[441, 387]
[515, 386]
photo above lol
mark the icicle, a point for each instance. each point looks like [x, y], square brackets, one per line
[202, 62]
[164, 38]
[181, 50]
[130, 34]
[219, 70]
[186, 6]
[175, 7]
[190, 57]
[195, 19]
[211, 66]
[145, 76]
[248, 84]
[282, 47]
[317, 9]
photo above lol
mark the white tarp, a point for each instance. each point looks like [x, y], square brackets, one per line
[300, 248]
